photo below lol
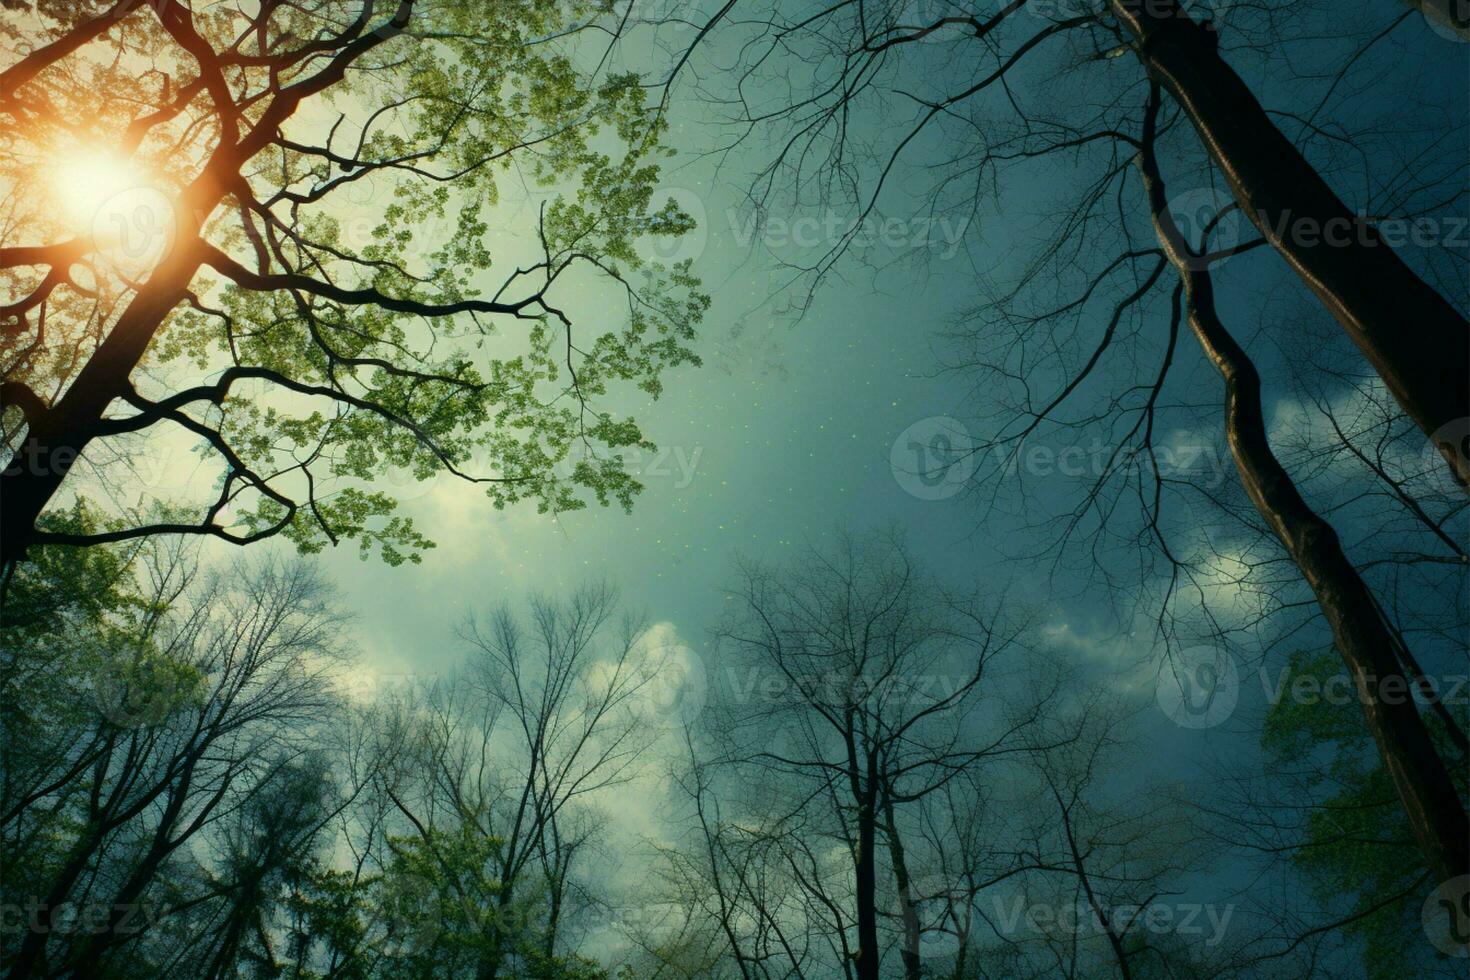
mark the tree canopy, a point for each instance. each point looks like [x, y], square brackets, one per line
[298, 209]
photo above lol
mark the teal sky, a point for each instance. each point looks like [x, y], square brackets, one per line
[786, 434]
[831, 405]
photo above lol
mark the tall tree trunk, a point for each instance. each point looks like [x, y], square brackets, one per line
[243, 904]
[553, 919]
[1102, 913]
[54, 441]
[866, 871]
[493, 958]
[913, 965]
[961, 961]
[1412, 336]
[163, 844]
[867, 911]
[1430, 800]
[61, 432]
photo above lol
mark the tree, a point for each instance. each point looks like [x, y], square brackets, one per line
[1268, 176]
[1362, 282]
[868, 54]
[741, 896]
[1350, 827]
[1045, 857]
[1058, 861]
[1337, 881]
[186, 791]
[267, 842]
[1108, 855]
[879, 703]
[183, 713]
[491, 779]
[336, 339]
[1362, 635]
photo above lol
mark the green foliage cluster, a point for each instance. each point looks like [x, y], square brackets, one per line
[1357, 851]
[408, 315]
[210, 781]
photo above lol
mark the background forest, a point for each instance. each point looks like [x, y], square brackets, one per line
[734, 489]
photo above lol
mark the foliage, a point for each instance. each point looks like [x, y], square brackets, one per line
[1357, 842]
[401, 287]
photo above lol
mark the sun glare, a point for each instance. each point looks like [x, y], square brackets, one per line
[89, 180]
[116, 203]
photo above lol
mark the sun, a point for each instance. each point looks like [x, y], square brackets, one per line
[116, 202]
[88, 178]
